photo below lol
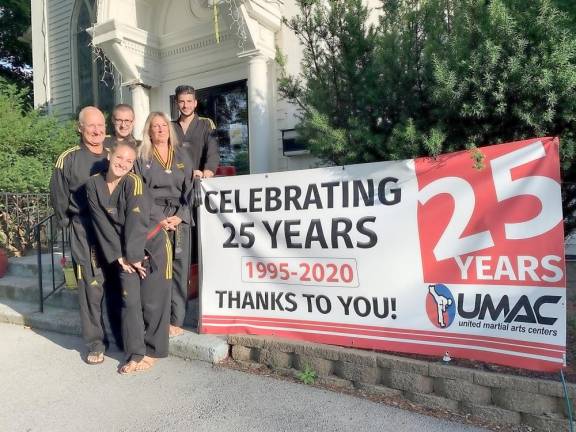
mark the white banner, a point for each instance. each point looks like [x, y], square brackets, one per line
[425, 256]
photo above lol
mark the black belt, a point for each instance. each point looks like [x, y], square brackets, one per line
[167, 202]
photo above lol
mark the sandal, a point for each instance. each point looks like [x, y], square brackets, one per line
[145, 364]
[95, 357]
[128, 368]
[174, 331]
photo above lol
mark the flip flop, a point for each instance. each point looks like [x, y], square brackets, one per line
[98, 354]
[128, 368]
[143, 365]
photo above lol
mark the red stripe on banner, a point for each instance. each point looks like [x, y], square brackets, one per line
[550, 364]
[365, 329]
[392, 335]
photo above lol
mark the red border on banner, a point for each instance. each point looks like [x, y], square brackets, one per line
[509, 352]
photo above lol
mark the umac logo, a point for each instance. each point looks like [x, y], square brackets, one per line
[440, 305]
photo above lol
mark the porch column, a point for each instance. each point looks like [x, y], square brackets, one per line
[141, 104]
[258, 114]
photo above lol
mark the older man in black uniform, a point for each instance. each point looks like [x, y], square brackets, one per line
[68, 192]
[123, 121]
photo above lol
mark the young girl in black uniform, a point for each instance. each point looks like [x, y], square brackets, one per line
[120, 207]
[167, 172]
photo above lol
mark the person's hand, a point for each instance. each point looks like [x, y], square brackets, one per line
[165, 223]
[139, 269]
[174, 221]
[208, 173]
[125, 266]
[198, 173]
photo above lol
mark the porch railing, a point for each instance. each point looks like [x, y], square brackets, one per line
[19, 214]
[52, 239]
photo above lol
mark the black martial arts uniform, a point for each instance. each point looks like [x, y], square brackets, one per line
[123, 229]
[200, 143]
[170, 184]
[68, 193]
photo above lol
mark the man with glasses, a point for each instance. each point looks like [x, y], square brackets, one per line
[123, 121]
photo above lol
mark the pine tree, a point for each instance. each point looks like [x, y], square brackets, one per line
[435, 76]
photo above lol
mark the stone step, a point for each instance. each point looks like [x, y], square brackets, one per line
[190, 345]
[25, 289]
[27, 266]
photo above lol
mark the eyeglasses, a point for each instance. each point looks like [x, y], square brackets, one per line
[120, 121]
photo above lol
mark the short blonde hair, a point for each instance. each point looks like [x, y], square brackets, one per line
[85, 110]
[145, 149]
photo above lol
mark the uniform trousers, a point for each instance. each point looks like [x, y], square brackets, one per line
[146, 302]
[180, 240]
[96, 282]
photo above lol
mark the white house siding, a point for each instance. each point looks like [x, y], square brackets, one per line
[59, 14]
[286, 112]
[180, 48]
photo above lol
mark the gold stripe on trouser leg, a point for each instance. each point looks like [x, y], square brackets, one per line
[168, 272]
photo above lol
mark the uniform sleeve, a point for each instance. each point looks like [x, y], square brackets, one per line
[60, 195]
[137, 210]
[183, 211]
[212, 158]
[106, 235]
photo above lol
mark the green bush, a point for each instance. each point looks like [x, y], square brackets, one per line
[30, 142]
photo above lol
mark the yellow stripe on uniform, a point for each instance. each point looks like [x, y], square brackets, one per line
[79, 275]
[60, 161]
[209, 120]
[168, 164]
[138, 188]
[168, 272]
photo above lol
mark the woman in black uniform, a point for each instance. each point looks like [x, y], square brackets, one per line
[167, 172]
[120, 208]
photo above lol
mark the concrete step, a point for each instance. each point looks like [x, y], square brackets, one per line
[25, 289]
[21, 284]
[190, 345]
[27, 266]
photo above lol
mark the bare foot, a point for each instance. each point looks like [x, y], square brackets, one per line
[145, 364]
[175, 331]
[128, 368]
[94, 357]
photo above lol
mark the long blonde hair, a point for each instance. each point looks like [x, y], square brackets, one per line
[145, 149]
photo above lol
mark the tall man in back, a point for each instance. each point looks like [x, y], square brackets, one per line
[197, 134]
[68, 193]
[198, 137]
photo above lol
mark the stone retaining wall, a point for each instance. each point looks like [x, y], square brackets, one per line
[499, 398]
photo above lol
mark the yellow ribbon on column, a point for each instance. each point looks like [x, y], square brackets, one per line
[216, 29]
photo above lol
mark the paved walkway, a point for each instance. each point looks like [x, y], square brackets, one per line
[44, 386]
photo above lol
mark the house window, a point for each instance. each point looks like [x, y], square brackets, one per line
[292, 144]
[91, 85]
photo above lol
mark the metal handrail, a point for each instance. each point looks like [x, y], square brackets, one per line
[37, 229]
